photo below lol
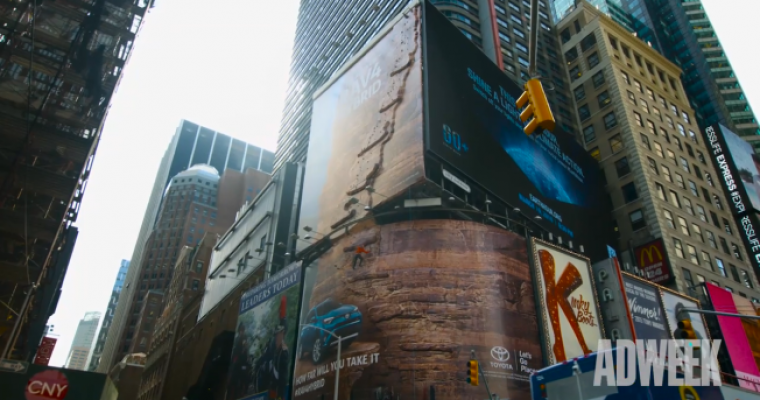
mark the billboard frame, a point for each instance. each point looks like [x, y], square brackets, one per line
[687, 297]
[541, 300]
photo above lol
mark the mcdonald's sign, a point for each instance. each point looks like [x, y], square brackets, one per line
[653, 262]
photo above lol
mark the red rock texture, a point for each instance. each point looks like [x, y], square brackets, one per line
[430, 291]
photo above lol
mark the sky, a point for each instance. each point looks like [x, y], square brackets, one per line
[222, 64]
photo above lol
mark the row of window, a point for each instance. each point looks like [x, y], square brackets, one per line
[745, 280]
[665, 80]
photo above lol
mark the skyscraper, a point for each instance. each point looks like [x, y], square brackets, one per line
[97, 349]
[637, 122]
[322, 47]
[83, 339]
[191, 144]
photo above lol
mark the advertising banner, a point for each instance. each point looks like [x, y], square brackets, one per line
[751, 327]
[738, 165]
[571, 319]
[411, 307]
[41, 382]
[646, 309]
[366, 143]
[262, 354]
[739, 350]
[45, 351]
[472, 125]
[653, 262]
[673, 302]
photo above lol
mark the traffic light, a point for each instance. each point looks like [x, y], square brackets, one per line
[685, 330]
[536, 106]
[472, 372]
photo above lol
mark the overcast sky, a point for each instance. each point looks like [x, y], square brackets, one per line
[222, 64]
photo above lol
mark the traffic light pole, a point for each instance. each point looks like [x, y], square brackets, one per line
[722, 314]
[485, 381]
[533, 39]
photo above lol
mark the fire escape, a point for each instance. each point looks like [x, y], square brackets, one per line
[60, 62]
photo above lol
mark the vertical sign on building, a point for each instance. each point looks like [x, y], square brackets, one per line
[45, 351]
[739, 174]
[653, 261]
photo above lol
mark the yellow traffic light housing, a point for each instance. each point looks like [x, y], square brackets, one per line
[685, 330]
[472, 373]
[536, 106]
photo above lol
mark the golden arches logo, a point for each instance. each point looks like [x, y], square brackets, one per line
[688, 393]
[649, 252]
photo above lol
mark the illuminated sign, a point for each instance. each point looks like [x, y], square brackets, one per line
[653, 261]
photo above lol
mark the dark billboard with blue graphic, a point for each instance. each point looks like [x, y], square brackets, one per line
[472, 125]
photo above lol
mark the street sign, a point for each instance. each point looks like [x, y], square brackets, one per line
[18, 367]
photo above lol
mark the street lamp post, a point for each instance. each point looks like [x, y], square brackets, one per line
[337, 366]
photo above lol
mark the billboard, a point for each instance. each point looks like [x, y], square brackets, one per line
[473, 126]
[735, 339]
[570, 310]
[644, 303]
[40, 382]
[737, 167]
[262, 355]
[673, 302]
[424, 294]
[366, 132]
[45, 350]
[751, 327]
[653, 261]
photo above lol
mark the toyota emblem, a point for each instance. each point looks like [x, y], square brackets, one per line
[500, 354]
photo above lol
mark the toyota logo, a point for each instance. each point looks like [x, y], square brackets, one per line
[499, 353]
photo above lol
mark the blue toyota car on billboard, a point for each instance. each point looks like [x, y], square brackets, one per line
[326, 319]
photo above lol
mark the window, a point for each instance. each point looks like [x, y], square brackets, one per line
[678, 143]
[728, 289]
[727, 226]
[622, 167]
[692, 254]
[196, 284]
[637, 117]
[603, 99]
[679, 181]
[701, 213]
[660, 191]
[709, 180]
[656, 112]
[645, 142]
[598, 79]
[629, 192]
[593, 60]
[613, 42]
[580, 93]
[701, 157]
[747, 280]
[658, 150]
[674, 199]
[669, 219]
[724, 245]
[518, 33]
[717, 202]
[734, 273]
[571, 55]
[681, 130]
[664, 134]
[672, 156]
[687, 206]
[631, 97]
[684, 226]
[584, 112]
[707, 261]
[666, 173]
[651, 128]
[687, 278]
[595, 153]
[625, 77]
[588, 41]
[711, 240]
[679, 247]
[693, 189]
[736, 251]
[616, 143]
[645, 107]
[523, 61]
[516, 19]
[588, 134]
[697, 232]
[637, 220]
[674, 109]
[650, 94]
[637, 85]
[652, 165]
[693, 136]
[670, 122]
[610, 121]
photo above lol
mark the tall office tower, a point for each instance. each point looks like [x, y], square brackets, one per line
[637, 122]
[83, 339]
[323, 44]
[97, 349]
[190, 209]
[60, 62]
[690, 41]
[191, 144]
